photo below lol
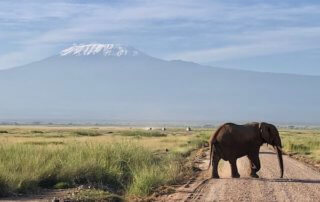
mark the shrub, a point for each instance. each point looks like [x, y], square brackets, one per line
[143, 133]
[87, 133]
[37, 131]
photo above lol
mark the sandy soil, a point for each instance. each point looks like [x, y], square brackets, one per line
[300, 182]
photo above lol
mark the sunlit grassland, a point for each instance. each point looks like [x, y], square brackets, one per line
[117, 160]
[302, 142]
[123, 161]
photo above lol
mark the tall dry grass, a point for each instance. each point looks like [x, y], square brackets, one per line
[122, 167]
[124, 162]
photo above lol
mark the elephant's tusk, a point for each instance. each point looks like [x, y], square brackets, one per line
[279, 148]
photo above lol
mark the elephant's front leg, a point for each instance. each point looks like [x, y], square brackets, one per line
[255, 164]
[234, 169]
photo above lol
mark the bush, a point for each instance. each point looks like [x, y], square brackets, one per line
[4, 131]
[87, 133]
[143, 133]
[37, 131]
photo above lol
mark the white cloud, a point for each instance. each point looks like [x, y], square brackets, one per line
[213, 30]
[250, 44]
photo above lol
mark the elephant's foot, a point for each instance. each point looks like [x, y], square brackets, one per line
[254, 175]
[236, 175]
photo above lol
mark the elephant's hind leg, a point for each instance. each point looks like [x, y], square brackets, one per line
[234, 169]
[255, 164]
[215, 162]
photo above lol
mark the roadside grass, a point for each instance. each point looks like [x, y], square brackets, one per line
[119, 162]
[302, 142]
[185, 149]
[205, 135]
[123, 167]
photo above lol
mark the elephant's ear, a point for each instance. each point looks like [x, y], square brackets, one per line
[265, 132]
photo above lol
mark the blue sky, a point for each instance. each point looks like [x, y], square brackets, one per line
[273, 36]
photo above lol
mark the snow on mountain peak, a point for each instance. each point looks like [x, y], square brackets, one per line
[100, 49]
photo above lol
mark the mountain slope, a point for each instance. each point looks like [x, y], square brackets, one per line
[103, 86]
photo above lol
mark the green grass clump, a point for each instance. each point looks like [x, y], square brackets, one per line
[87, 133]
[185, 149]
[298, 148]
[123, 167]
[147, 180]
[3, 131]
[37, 131]
[143, 133]
[61, 185]
[205, 135]
[198, 143]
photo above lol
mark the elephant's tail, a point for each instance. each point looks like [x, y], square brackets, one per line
[213, 143]
[212, 149]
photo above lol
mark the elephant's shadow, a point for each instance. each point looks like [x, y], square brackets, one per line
[294, 180]
[288, 180]
[307, 181]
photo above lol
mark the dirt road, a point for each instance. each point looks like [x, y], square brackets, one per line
[300, 182]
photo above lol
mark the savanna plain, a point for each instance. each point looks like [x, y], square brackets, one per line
[113, 163]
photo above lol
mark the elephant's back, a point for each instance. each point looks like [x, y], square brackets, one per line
[225, 133]
[235, 138]
[236, 134]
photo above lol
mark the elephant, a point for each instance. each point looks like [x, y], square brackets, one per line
[232, 141]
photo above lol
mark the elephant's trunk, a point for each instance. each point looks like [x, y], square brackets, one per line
[279, 154]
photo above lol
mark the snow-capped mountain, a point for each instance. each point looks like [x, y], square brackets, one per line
[101, 49]
[121, 83]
